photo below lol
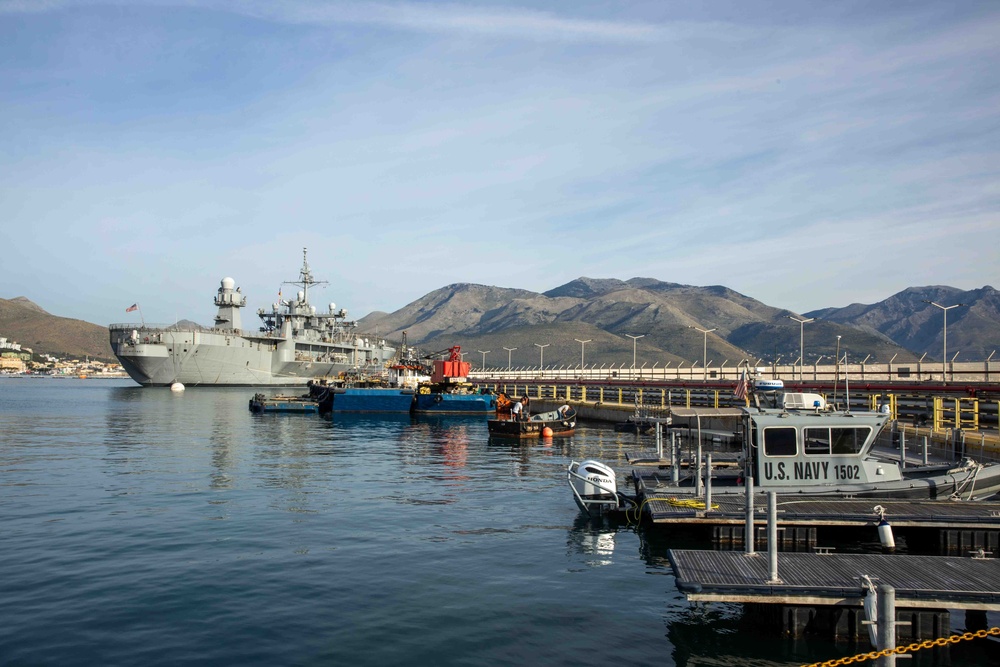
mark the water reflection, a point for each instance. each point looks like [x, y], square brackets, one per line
[595, 540]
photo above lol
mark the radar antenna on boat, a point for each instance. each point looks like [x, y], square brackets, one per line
[306, 278]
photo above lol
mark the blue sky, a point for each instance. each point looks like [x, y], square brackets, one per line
[805, 154]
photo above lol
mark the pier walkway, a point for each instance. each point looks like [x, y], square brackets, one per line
[925, 582]
[730, 509]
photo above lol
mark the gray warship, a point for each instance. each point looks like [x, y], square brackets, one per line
[295, 344]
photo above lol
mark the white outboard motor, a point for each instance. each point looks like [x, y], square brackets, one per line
[594, 485]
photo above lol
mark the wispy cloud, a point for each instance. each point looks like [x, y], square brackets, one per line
[769, 153]
[510, 22]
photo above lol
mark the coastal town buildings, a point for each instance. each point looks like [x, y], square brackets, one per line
[18, 360]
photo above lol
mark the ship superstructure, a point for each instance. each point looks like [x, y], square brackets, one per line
[294, 344]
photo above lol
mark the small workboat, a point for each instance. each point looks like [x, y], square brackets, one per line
[510, 424]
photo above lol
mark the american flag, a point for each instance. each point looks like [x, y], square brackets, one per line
[134, 306]
[741, 388]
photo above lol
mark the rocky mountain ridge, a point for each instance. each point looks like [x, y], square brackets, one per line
[684, 324]
[612, 321]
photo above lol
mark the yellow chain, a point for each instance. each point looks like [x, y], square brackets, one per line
[940, 641]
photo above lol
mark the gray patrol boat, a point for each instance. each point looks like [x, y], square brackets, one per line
[295, 344]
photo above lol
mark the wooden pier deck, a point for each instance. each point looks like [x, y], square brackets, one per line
[926, 582]
[829, 512]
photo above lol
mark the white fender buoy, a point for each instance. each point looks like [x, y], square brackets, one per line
[885, 535]
[177, 386]
[884, 529]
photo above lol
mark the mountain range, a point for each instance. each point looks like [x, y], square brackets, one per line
[612, 322]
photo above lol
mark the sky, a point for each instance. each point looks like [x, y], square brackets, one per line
[805, 154]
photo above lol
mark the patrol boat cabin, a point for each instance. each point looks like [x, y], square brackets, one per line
[802, 444]
[804, 447]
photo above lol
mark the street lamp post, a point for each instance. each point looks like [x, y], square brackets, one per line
[541, 355]
[509, 350]
[802, 326]
[634, 339]
[583, 344]
[484, 353]
[704, 349]
[836, 380]
[944, 348]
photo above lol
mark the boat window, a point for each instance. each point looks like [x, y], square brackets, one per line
[779, 442]
[848, 440]
[817, 441]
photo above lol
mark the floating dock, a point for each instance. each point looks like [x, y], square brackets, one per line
[730, 509]
[832, 594]
[926, 582]
[283, 404]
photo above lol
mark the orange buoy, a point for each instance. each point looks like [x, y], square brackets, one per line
[547, 432]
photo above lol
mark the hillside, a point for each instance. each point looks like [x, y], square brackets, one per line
[665, 316]
[33, 327]
[908, 320]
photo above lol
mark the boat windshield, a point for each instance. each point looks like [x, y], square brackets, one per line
[779, 442]
[826, 441]
[816, 441]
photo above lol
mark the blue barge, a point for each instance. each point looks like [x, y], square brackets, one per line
[369, 399]
[450, 399]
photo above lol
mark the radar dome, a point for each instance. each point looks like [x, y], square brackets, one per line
[228, 283]
[333, 307]
[301, 295]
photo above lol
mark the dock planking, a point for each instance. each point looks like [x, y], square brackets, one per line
[835, 579]
[730, 509]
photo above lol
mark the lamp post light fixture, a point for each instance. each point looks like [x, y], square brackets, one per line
[944, 344]
[484, 353]
[583, 344]
[509, 350]
[704, 349]
[802, 325]
[541, 355]
[634, 339]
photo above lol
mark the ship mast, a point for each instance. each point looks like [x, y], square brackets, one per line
[305, 278]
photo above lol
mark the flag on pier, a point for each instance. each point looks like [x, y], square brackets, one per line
[134, 306]
[741, 388]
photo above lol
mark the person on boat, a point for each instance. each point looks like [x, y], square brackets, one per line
[515, 411]
[525, 403]
[563, 410]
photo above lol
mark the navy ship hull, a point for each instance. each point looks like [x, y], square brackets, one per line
[295, 345]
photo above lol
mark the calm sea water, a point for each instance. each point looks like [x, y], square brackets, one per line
[142, 527]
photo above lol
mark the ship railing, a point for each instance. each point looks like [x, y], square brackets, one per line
[158, 328]
[149, 326]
